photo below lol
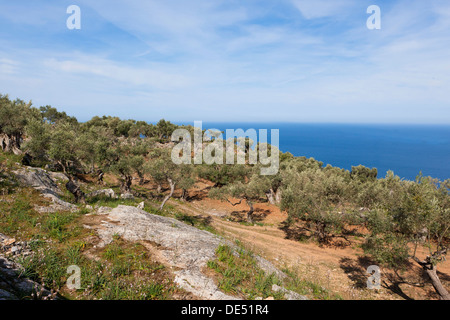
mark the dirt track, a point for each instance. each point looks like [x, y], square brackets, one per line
[341, 270]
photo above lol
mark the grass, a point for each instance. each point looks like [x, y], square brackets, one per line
[308, 288]
[16, 211]
[131, 273]
[124, 271]
[103, 201]
[238, 273]
[202, 223]
[7, 184]
[9, 160]
[251, 224]
[18, 218]
[59, 226]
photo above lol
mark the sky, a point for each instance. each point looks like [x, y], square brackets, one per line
[231, 60]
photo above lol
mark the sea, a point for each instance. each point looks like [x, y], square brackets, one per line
[407, 150]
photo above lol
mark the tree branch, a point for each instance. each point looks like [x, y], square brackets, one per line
[233, 204]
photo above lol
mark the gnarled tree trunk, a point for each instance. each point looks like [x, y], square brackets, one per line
[274, 197]
[183, 195]
[100, 175]
[437, 284]
[141, 177]
[10, 143]
[172, 189]
[431, 271]
[125, 186]
[270, 196]
[250, 212]
[74, 189]
[278, 196]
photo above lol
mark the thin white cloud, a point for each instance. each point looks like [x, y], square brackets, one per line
[312, 9]
[92, 66]
[8, 66]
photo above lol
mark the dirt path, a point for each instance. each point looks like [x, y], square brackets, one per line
[341, 270]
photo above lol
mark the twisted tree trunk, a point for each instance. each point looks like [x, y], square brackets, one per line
[274, 197]
[250, 212]
[126, 184]
[431, 271]
[100, 175]
[172, 189]
[74, 189]
[270, 196]
[437, 284]
[10, 143]
[278, 196]
[183, 195]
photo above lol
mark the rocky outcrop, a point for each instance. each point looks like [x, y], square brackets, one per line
[38, 179]
[10, 247]
[42, 181]
[13, 285]
[181, 246]
[185, 248]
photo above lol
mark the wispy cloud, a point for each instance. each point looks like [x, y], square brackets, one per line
[8, 66]
[110, 71]
[312, 9]
[292, 60]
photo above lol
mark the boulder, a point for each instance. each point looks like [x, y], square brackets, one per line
[109, 193]
[39, 179]
[127, 196]
[141, 205]
[42, 181]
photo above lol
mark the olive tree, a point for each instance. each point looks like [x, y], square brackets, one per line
[251, 191]
[97, 150]
[417, 213]
[130, 159]
[59, 144]
[316, 198]
[163, 170]
[14, 116]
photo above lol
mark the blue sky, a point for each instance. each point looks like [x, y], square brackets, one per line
[230, 60]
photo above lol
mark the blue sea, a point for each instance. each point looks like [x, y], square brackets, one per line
[405, 149]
